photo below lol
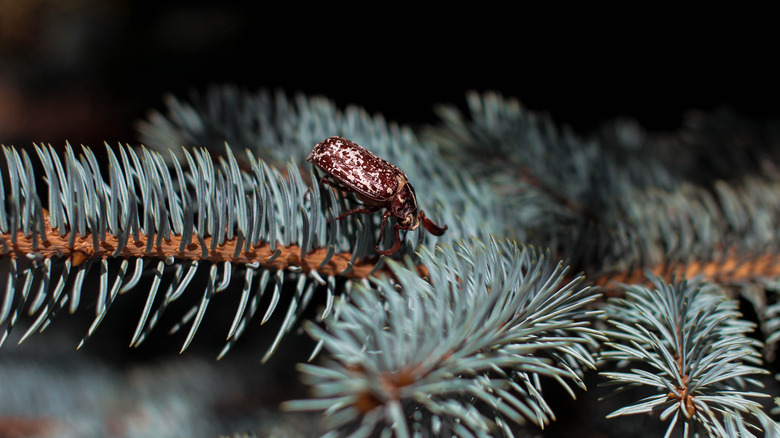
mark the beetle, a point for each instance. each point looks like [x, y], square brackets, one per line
[374, 181]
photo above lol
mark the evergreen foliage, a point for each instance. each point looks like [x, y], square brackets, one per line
[453, 335]
[690, 346]
[462, 353]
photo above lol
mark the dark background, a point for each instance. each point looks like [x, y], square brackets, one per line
[86, 70]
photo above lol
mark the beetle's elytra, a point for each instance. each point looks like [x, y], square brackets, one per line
[376, 182]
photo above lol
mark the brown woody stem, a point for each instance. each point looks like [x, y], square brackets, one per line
[82, 249]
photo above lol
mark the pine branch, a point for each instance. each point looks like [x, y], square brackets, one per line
[462, 337]
[690, 347]
[258, 225]
[276, 127]
[462, 353]
[617, 205]
[565, 193]
[164, 211]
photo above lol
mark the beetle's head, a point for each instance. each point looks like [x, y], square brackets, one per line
[404, 207]
[410, 222]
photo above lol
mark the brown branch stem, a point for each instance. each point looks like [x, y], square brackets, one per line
[83, 249]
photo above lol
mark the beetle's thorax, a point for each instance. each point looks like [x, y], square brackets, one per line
[404, 204]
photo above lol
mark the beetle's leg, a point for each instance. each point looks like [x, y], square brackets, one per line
[432, 227]
[324, 180]
[397, 243]
[356, 210]
[382, 227]
[361, 209]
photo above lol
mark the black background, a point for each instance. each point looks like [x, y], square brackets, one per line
[86, 71]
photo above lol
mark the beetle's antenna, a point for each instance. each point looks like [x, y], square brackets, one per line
[431, 226]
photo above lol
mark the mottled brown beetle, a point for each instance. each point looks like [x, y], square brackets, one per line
[377, 183]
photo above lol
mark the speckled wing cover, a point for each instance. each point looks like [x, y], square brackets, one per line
[356, 168]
